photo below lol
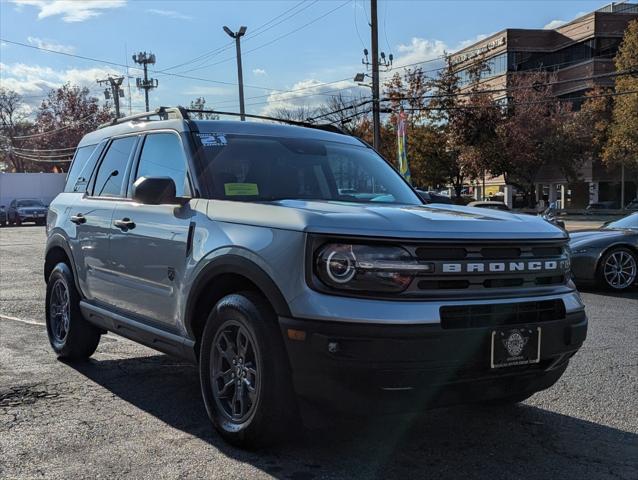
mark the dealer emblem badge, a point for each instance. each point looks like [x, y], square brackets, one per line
[515, 343]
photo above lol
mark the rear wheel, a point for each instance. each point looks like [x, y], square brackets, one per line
[70, 335]
[244, 372]
[618, 269]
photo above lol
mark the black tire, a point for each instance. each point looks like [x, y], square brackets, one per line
[40, 222]
[3, 223]
[604, 275]
[508, 400]
[272, 412]
[71, 338]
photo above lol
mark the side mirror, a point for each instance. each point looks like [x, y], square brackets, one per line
[155, 191]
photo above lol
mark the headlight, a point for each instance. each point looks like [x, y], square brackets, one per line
[367, 268]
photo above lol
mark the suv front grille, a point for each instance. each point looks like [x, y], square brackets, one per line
[492, 315]
[489, 267]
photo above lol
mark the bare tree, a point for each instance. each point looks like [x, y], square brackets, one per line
[344, 112]
[13, 123]
[200, 104]
[302, 113]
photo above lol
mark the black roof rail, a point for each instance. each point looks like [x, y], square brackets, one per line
[327, 127]
[164, 113]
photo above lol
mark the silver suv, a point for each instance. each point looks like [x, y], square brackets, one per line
[295, 266]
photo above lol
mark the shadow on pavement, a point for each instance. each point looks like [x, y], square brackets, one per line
[464, 442]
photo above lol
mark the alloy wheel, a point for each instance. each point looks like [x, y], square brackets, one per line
[59, 311]
[234, 371]
[620, 270]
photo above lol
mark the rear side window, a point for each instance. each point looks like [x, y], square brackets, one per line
[163, 156]
[110, 175]
[83, 163]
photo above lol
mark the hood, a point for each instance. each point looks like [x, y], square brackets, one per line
[386, 220]
[583, 237]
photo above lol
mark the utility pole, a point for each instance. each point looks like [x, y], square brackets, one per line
[376, 115]
[378, 60]
[146, 84]
[240, 76]
[116, 92]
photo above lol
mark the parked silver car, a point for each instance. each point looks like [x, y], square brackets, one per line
[293, 263]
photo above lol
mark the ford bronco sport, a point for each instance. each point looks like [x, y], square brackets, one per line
[293, 263]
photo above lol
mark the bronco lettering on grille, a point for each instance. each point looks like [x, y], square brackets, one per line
[496, 267]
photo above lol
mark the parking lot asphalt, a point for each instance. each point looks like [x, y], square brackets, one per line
[130, 412]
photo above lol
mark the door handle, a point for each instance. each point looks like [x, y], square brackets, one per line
[78, 219]
[124, 224]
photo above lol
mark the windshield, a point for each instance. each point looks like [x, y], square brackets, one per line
[259, 168]
[630, 221]
[29, 203]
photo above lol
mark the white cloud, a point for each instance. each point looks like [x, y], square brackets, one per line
[259, 72]
[50, 45]
[554, 24]
[202, 91]
[33, 82]
[71, 10]
[169, 13]
[310, 93]
[423, 50]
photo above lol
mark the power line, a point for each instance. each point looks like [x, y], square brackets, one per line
[229, 45]
[274, 39]
[36, 150]
[41, 134]
[514, 104]
[630, 71]
[122, 65]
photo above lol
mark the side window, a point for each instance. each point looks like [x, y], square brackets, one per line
[163, 156]
[81, 168]
[110, 175]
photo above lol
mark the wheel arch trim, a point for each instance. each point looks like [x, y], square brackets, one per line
[59, 240]
[237, 265]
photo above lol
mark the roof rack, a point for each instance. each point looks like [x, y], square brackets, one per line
[165, 113]
[326, 127]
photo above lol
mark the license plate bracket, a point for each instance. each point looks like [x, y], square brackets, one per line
[515, 346]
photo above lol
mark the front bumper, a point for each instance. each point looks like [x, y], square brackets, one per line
[368, 368]
[32, 217]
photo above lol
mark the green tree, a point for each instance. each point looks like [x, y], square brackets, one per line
[65, 116]
[622, 145]
[538, 131]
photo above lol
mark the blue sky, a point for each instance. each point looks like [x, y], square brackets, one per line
[300, 46]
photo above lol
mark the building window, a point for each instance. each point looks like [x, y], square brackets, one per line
[493, 67]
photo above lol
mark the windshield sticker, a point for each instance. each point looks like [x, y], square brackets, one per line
[241, 189]
[213, 139]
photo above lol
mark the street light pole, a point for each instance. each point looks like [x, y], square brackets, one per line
[240, 76]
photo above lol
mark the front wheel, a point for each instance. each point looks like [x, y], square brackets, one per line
[618, 269]
[70, 335]
[244, 373]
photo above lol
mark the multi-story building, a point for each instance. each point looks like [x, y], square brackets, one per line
[579, 50]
